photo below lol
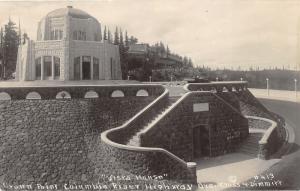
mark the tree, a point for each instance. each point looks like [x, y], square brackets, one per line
[25, 37]
[133, 40]
[105, 33]
[126, 39]
[10, 50]
[168, 51]
[116, 38]
[109, 38]
[121, 41]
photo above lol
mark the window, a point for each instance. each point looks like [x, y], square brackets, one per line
[47, 66]
[56, 66]
[77, 68]
[56, 34]
[74, 35]
[95, 68]
[38, 68]
[79, 35]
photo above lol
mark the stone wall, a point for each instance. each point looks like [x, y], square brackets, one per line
[271, 140]
[174, 131]
[54, 141]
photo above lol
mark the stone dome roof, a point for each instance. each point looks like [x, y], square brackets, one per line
[75, 13]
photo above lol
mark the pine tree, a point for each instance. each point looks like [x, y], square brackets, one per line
[10, 50]
[168, 51]
[121, 39]
[116, 38]
[126, 39]
[109, 38]
[133, 40]
[105, 34]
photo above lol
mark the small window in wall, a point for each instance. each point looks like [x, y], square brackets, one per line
[47, 66]
[77, 68]
[197, 107]
[95, 68]
[56, 66]
[38, 68]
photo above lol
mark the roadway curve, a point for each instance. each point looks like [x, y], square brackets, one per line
[288, 169]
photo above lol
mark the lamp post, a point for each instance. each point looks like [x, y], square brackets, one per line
[295, 80]
[268, 86]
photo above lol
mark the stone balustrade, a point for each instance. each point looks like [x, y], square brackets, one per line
[270, 141]
[217, 86]
[146, 160]
[79, 91]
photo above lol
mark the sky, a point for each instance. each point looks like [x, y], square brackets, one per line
[215, 33]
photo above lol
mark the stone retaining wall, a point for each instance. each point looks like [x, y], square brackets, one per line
[146, 161]
[174, 131]
[271, 141]
[53, 141]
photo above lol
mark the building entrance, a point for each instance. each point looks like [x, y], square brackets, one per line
[86, 70]
[201, 141]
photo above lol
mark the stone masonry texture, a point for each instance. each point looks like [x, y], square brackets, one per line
[57, 141]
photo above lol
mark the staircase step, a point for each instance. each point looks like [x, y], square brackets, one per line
[135, 139]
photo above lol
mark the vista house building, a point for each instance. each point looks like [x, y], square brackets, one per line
[69, 46]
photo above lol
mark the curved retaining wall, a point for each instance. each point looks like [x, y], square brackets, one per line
[56, 141]
[270, 141]
[248, 106]
[142, 160]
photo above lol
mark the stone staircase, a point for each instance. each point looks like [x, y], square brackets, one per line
[251, 146]
[135, 140]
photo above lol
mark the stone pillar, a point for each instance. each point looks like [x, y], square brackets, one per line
[80, 67]
[192, 177]
[52, 68]
[92, 68]
[42, 68]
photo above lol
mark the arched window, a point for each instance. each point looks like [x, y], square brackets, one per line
[33, 95]
[38, 68]
[77, 68]
[95, 68]
[142, 93]
[117, 93]
[4, 96]
[56, 66]
[47, 66]
[63, 95]
[56, 34]
[79, 35]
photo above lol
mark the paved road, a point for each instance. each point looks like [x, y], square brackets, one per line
[288, 169]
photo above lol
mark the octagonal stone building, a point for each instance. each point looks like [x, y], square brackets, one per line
[69, 46]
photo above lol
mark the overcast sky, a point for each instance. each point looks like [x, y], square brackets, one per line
[216, 33]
